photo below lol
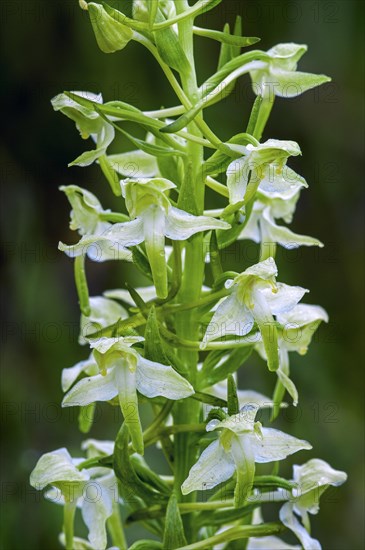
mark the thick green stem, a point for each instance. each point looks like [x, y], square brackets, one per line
[191, 199]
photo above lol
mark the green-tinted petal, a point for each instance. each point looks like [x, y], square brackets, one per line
[156, 379]
[299, 326]
[265, 270]
[284, 236]
[96, 509]
[269, 543]
[237, 178]
[283, 298]
[244, 458]
[85, 210]
[96, 447]
[213, 467]
[136, 164]
[56, 467]
[180, 225]
[261, 312]
[288, 518]
[292, 84]
[91, 389]
[275, 445]
[71, 374]
[231, 317]
[237, 423]
[154, 237]
[312, 478]
[125, 376]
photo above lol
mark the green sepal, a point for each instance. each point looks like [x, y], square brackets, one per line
[154, 349]
[216, 414]
[226, 37]
[111, 35]
[169, 47]
[174, 536]
[110, 174]
[86, 417]
[214, 255]
[81, 285]
[232, 399]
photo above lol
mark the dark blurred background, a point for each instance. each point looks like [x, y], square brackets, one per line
[49, 47]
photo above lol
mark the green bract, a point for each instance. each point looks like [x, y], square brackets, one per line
[168, 348]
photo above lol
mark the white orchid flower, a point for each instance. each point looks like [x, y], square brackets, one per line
[91, 490]
[279, 76]
[153, 219]
[123, 371]
[312, 479]
[297, 328]
[88, 122]
[245, 173]
[255, 298]
[241, 443]
[277, 195]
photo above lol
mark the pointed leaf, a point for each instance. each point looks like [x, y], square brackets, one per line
[174, 536]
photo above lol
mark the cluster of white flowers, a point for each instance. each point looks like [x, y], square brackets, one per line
[247, 311]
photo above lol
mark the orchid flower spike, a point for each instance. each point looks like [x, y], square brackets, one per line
[241, 443]
[312, 479]
[255, 298]
[123, 371]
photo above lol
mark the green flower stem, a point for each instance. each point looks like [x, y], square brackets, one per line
[236, 533]
[115, 528]
[216, 186]
[68, 523]
[176, 429]
[114, 217]
[160, 417]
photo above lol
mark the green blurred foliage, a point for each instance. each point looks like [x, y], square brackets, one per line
[49, 47]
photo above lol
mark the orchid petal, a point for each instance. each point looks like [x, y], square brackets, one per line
[181, 226]
[96, 509]
[154, 237]
[244, 458]
[135, 164]
[275, 445]
[156, 379]
[56, 468]
[283, 298]
[288, 518]
[70, 375]
[284, 236]
[231, 317]
[212, 468]
[91, 389]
